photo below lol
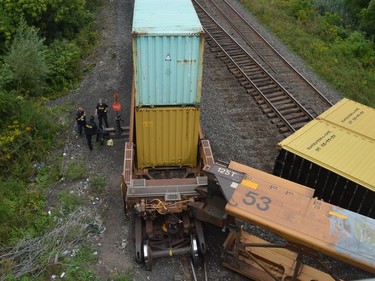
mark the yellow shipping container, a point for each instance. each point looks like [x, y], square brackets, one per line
[342, 140]
[167, 136]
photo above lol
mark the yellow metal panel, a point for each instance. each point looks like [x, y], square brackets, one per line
[337, 149]
[352, 116]
[167, 136]
[263, 180]
[308, 222]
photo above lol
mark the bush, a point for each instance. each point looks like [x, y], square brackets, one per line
[63, 59]
[26, 61]
[28, 127]
[21, 210]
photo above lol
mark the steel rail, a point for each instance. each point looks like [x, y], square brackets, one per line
[261, 81]
[245, 38]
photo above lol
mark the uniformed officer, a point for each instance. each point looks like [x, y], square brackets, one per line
[101, 111]
[91, 129]
[81, 120]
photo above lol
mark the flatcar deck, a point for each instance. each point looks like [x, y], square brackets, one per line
[291, 212]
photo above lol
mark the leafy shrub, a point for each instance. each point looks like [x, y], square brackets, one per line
[28, 126]
[300, 9]
[86, 39]
[21, 210]
[25, 59]
[358, 47]
[63, 59]
[332, 27]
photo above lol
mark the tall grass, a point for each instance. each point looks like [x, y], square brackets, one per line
[339, 55]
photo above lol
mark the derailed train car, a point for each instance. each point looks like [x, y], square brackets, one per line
[335, 155]
[166, 150]
[308, 226]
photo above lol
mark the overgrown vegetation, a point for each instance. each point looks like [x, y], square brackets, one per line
[75, 170]
[98, 183]
[335, 37]
[42, 44]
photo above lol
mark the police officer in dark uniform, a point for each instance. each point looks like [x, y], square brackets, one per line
[101, 111]
[81, 120]
[91, 129]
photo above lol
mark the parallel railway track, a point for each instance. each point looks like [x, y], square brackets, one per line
[257, 68]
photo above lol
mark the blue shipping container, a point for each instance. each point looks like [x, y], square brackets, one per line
[168, 44]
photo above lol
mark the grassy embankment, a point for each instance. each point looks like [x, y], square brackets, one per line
[338, 54]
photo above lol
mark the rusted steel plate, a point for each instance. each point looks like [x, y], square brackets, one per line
[279, 262]
[300, 219]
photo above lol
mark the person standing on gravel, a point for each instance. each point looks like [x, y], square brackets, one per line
[101, 112]
[91, 129]
[81, 120]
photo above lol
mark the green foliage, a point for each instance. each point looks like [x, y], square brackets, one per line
[98, 183]
[12, 11]
[342, 56]
[8, 106]
[300, 9]
[77, 268]
[70, 16]
[21, 210]
[32, 67]
[42, 44]
[69, 201]
[75, 170]
[86, 39]
[63, 59]
[26, 61]
[6, 76]
[367, 19]
[28, 126]
[56, 19]
[127, 276]
[356, 46]
[332, 28]
[354, 7]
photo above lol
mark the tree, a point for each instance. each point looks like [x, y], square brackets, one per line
[26, 61]
[12, 10]
[55, 19]
[367, 19]
[354, 8]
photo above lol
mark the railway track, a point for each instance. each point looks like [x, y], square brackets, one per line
[255, 64]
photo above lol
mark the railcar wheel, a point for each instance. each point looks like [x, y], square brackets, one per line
[147, 253]
[194, 249]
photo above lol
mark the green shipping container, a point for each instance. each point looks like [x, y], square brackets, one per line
[167, 136]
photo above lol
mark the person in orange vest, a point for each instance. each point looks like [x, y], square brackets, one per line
[91, 129]
[101, 112]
